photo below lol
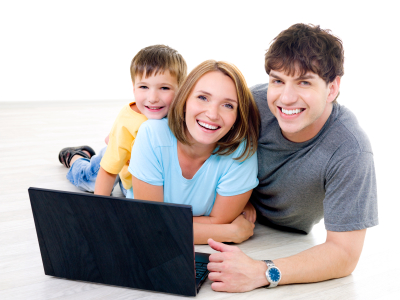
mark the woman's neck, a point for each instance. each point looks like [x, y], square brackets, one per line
[192, 157]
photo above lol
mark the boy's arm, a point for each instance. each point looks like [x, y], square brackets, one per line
[104, 182]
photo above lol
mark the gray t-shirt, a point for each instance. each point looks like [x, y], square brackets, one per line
[331, 176]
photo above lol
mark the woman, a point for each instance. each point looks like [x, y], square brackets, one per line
[204, 154]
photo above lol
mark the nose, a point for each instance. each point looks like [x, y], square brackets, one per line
[153, 96]
[212, 111]
[288, 95]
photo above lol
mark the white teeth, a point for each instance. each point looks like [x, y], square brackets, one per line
[291, 112]
[155, 108]
[208, 126]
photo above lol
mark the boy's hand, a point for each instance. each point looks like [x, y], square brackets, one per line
[107, 139]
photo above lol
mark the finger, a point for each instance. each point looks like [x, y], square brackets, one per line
[218, 286]
[216, 257]
[215, 276]
[214, 267]
[253, 217]
[220, 246]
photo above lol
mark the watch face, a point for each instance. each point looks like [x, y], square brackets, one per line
[274, 274]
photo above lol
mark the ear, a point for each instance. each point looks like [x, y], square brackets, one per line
[333, 87]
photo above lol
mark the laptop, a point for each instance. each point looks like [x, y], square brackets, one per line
[117, 241]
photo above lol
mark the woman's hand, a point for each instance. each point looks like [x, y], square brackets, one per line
[242, 229]
[249, 212]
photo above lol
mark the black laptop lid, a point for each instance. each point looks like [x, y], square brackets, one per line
[139, 244]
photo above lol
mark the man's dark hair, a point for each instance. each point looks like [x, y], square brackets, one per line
[302, 48]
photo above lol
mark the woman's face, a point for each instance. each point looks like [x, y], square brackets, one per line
[211, 108]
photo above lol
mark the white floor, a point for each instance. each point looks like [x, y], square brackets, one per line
[31, 135]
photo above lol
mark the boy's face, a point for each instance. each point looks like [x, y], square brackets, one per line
[301, 104]
[154, 94]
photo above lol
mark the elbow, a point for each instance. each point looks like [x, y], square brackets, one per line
[350, 265]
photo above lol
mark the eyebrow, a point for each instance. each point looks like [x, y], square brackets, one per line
[144, 82]
[305, 76]
[207, 93]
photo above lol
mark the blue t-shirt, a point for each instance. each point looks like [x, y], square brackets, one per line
[155, 160]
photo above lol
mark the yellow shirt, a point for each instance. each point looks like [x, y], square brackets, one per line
[121, 139]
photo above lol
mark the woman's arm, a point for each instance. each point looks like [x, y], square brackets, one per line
[225, 223]
[236, 232]
[225, 209]
[145, 191]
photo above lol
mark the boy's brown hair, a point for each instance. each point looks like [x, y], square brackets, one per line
[157, 59]
[302, 48]
[246, 126]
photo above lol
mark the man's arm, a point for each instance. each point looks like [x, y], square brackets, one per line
[104, 182]
[233, 271]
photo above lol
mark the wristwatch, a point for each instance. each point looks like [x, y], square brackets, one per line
[273, 274]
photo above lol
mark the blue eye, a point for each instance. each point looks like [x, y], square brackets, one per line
[202, 98]
[165, 88]
[228, 105]
[143, 87]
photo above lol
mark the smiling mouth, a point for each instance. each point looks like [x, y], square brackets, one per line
[291, 112]
[207, 126]
[154, 107]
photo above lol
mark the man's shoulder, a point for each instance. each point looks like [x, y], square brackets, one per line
[349, 130]
[259, 90]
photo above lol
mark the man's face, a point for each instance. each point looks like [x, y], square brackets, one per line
[301, 104]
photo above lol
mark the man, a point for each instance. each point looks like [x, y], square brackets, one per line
[314, 162]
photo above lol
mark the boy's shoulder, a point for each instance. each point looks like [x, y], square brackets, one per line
[128, 117]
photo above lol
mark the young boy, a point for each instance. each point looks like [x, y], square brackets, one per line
[157, 72]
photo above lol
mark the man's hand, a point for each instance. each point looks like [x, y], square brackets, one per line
[233, 271]
[249, 212]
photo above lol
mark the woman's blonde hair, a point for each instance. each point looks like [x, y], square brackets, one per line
[246, 126]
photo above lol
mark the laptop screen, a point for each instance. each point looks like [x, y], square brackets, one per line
[118, 241]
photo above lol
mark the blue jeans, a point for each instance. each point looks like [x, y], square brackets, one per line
[83, 173]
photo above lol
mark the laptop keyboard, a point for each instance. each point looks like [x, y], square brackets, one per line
[201, 270]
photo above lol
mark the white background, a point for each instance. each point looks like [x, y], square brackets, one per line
[81, 50]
